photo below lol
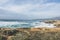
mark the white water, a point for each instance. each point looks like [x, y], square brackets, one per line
[45, 25]
[35, 24]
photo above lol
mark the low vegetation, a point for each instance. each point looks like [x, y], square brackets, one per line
[27, 34]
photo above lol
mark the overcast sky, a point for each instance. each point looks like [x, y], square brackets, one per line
[29, 9]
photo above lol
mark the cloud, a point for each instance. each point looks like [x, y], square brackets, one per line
[33, 8]
[23, 6]
[18, 9]
[3, 1]
[27, 7]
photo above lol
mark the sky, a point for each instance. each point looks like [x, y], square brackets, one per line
[29, 9]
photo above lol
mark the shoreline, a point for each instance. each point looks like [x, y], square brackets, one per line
[33, 29]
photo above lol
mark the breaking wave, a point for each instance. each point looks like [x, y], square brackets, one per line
[23, 24]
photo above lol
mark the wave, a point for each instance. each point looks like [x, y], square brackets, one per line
[45, 25]
[33, 24]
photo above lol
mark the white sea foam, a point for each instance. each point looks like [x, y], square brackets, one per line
[7, 23]
[35, 24]
[45, 25]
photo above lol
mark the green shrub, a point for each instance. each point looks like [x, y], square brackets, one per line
[37, 36]
[0, 37]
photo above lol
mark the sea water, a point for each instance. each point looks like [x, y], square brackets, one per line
[25, 24]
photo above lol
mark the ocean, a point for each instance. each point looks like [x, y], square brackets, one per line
[25, 24]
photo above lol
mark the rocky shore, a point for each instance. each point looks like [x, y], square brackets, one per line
[32, 33]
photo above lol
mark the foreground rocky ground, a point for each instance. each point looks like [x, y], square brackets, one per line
[30, 34]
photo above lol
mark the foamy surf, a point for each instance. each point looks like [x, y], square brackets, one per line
[33, 24]
[44, 25]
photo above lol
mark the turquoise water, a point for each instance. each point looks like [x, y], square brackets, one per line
[24, 24]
